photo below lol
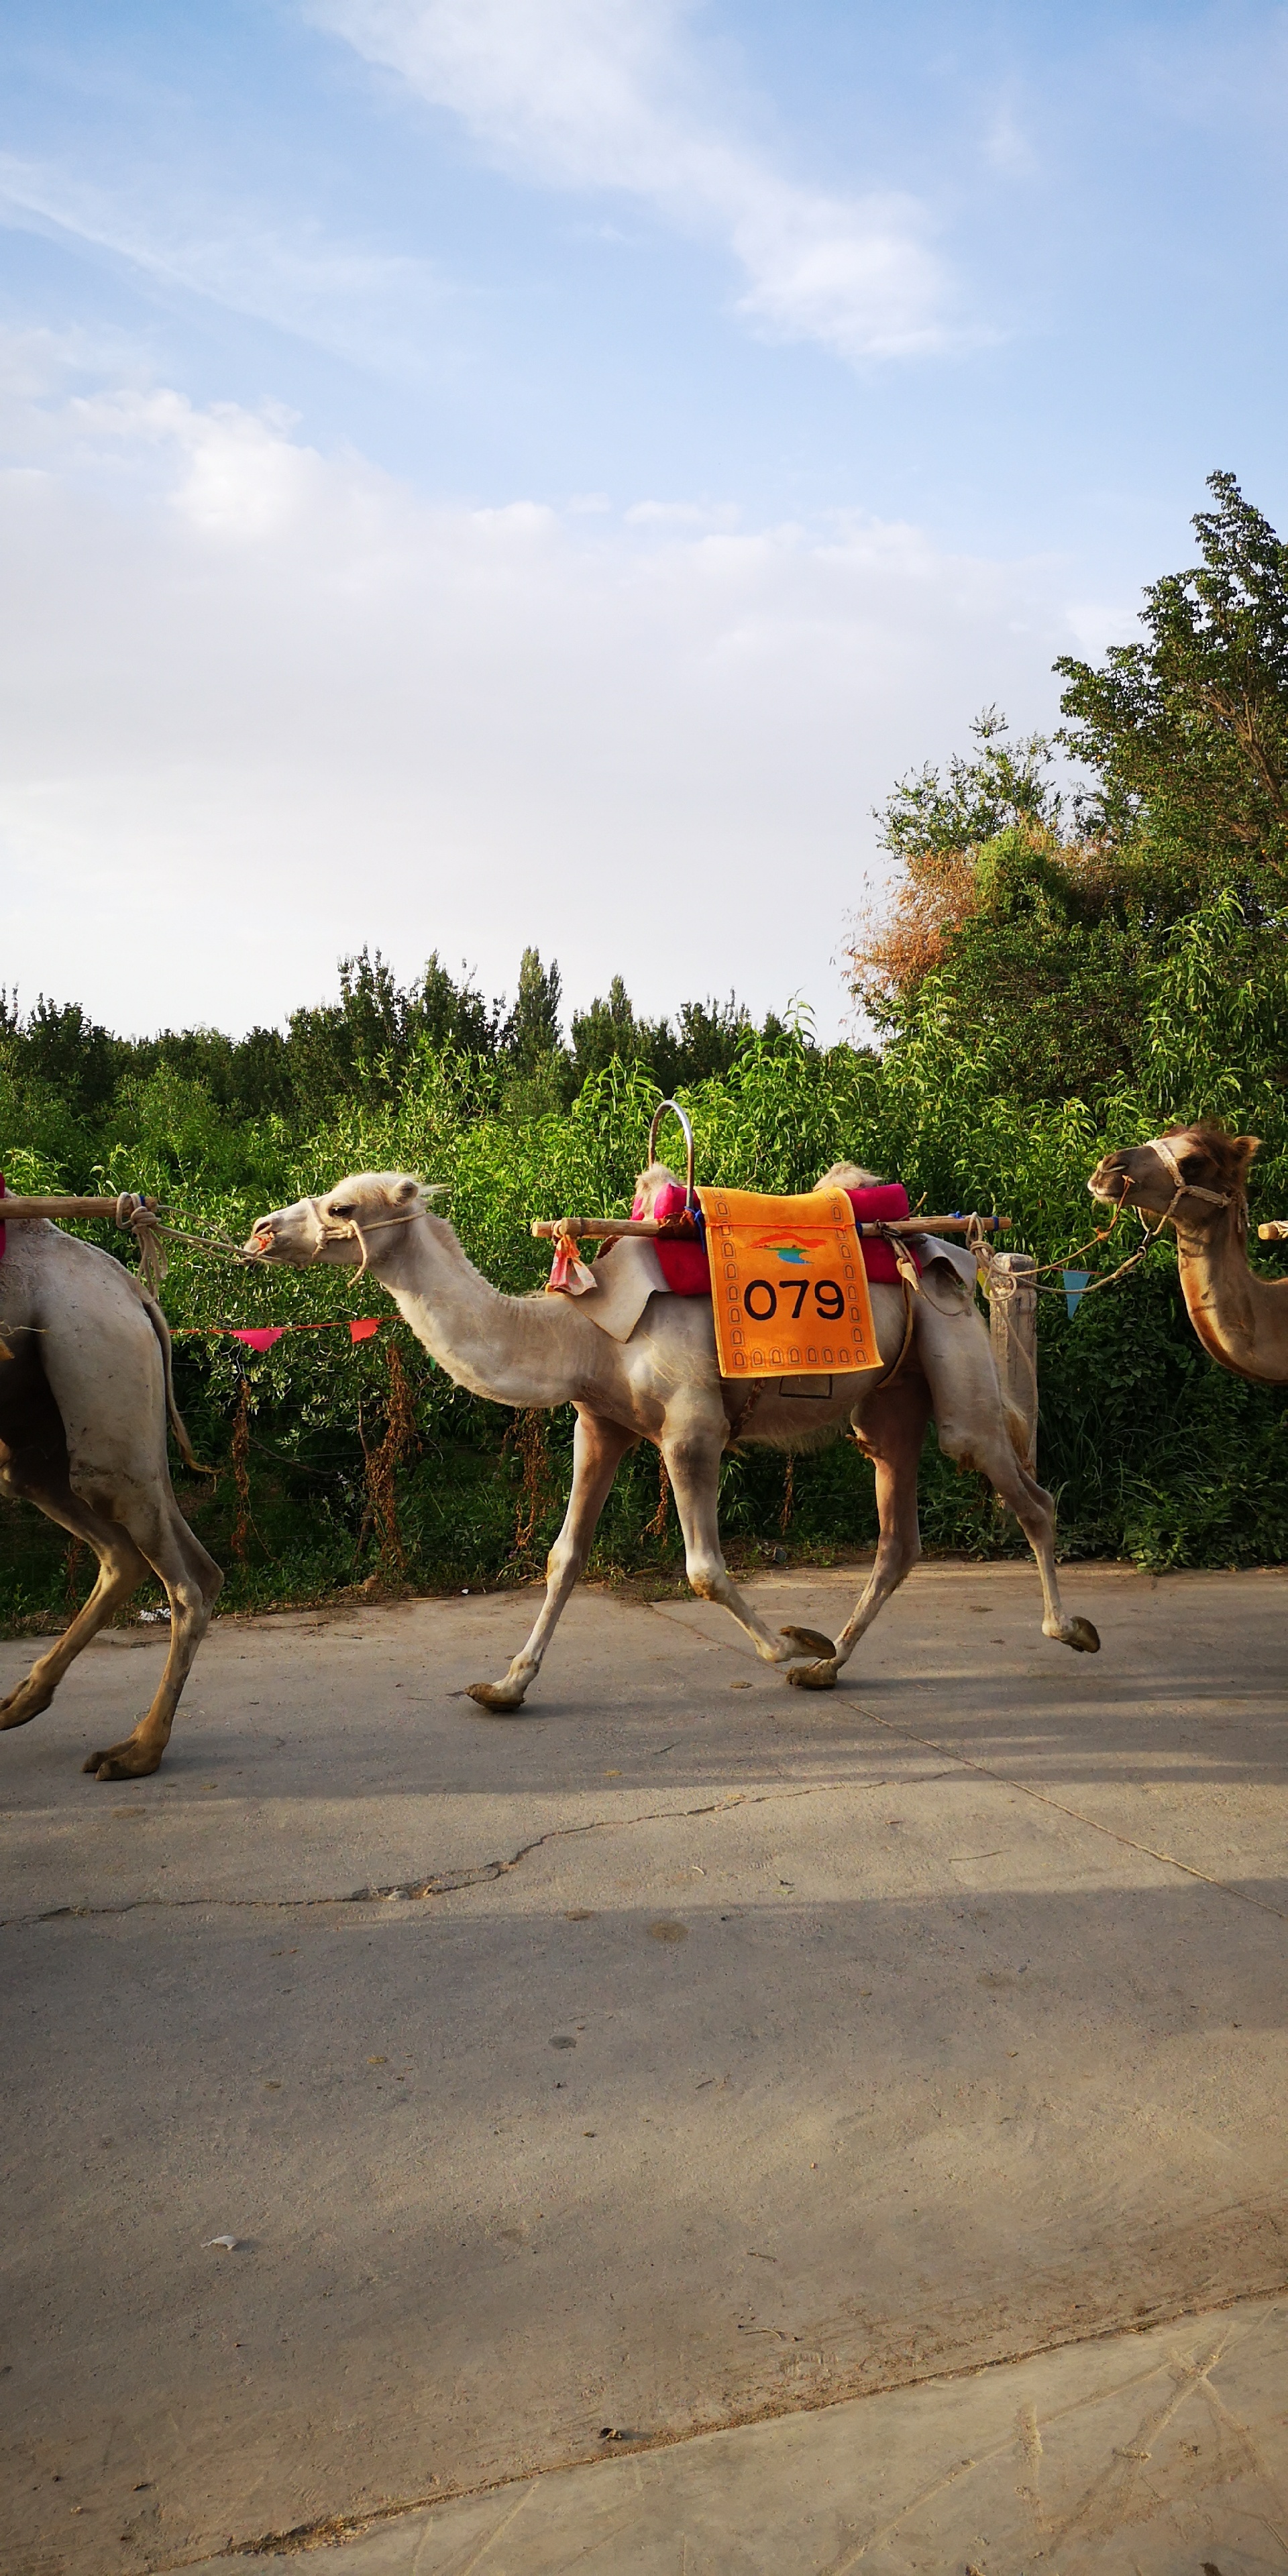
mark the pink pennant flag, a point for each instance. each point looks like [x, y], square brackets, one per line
[364, 1328]
[260, 1337]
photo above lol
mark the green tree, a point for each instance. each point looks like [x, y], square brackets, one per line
[606, 1030]
[1003, 785]
[452, 1017]
[1187, 733]
[1009, 936]
[532, 1032]
[60, 1047]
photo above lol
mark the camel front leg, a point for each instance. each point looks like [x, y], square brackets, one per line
[693, 1465]
[598, 1449]
[890, 1428]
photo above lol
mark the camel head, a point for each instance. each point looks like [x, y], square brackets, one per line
[1191, 1174]
[342, 1226]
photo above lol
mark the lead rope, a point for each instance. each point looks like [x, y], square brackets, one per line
[1004, 1283]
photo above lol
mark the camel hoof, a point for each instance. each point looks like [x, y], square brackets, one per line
[498, 1696]
[813, 1676]
[12, 1712]
[809, 1641]
[122, 1762]
[1084, 1639]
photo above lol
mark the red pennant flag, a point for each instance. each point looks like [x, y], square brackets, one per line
[260, 1337]
[363, 1330]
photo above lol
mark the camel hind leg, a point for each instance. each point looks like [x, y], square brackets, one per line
[598, 1449]
[971, 1420]
[121, 1570]
[193, 1582]
[34, 1468]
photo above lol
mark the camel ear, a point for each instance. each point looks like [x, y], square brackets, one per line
[406, 1190]
[1245, 1147]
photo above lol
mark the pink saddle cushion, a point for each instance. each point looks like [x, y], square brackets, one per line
[883, 1200]
[687, 1271]
[685, 1266]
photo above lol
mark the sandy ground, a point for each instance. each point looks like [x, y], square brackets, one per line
[687, 2053]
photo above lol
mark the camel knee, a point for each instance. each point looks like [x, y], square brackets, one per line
[212, 1581]
[706, 1575]
[970, 1450]
[898, 1552]
[197, 1596]
[565, 1561]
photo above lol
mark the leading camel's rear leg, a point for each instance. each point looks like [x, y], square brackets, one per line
[890, 1427]
[193, 1583]
[130, 1529]
[33, 1468]
[121, 1570]
[101, 1471]
[598, 1449]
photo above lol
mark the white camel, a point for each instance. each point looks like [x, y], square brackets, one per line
[85, 1392]
[663, 1384]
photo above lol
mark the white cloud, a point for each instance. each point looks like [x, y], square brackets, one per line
[358, 303]
[605, 94]
[265, 704]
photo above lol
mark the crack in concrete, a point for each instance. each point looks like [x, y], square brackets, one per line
[306, 2536]
[1003, 1780]
[447, 1882]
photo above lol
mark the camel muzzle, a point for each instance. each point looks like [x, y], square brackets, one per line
[1110, 1182]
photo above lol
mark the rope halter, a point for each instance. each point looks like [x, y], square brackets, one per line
[1183, 1189]
[1186, 1189]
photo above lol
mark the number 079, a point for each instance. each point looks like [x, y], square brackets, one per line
[761, 1299]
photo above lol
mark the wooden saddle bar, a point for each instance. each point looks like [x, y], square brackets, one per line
[72, 1211]
[603, 1229]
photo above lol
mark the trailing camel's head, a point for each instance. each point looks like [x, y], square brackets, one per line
[345, 1225]
[1190, 1174]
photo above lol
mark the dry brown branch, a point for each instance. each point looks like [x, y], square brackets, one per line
[239, 1542]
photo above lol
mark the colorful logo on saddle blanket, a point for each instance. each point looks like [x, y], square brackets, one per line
[788, 1286]
[800, 1248]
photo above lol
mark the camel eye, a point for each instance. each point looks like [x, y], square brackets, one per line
[341, 1211]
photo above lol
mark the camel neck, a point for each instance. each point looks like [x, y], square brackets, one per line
[514, 1350]
[1239, 1317]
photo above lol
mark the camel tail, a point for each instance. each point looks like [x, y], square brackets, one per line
[177, 1423]
[1017, 1429]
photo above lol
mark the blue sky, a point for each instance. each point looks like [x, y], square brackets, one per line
[490, 471]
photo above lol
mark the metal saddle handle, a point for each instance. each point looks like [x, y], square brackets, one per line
[690, 1198]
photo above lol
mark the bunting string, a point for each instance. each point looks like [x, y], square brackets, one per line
[261, 1337]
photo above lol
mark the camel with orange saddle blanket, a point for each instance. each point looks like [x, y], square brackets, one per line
[640, 1359]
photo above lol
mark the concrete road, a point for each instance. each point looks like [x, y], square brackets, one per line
[688, 2053]
[1146, 2454]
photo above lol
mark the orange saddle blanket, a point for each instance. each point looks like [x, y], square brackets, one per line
[788, 1285]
